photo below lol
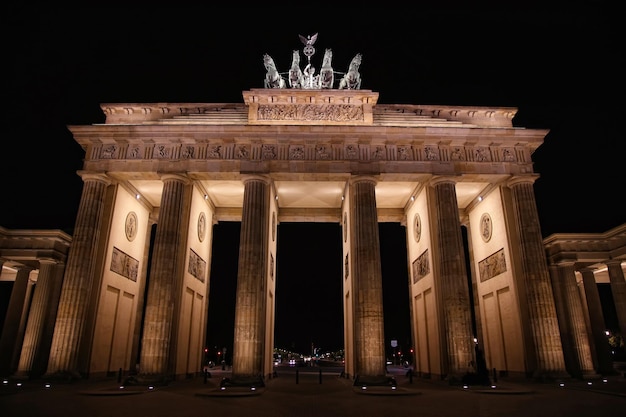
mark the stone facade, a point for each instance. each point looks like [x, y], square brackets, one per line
[173, 169]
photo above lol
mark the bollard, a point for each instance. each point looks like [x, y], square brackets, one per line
[119, 375]
[410, 376]
[320, 375]
[297, 371]
[495, 376]
[206, 374]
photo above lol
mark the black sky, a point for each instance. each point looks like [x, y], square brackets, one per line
[561, 67]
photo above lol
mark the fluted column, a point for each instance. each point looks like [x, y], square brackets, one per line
[572, 322]
[369, 337]
[618, 288]
[250, 305]
[596, 321]
[453, 283]
[31, 347]
[78, 280]
[10, 338]
[139, 311]
[539, 296]
[163, 284]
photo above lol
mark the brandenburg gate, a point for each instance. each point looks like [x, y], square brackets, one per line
[157, 176]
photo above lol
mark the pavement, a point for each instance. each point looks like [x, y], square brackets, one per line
[311, 393]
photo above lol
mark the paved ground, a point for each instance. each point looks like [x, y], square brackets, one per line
[332, 395]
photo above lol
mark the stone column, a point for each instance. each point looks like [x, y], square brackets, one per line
[596, 321]
[31, 346]
[452, 282]
[78, 280]
[539, 297]
[163, 296]
[618, 288]
[139, 311]
[10, 340]
[369, 337]
[572, 322]
[251, 298]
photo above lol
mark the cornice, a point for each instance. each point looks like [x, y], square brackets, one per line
[587, 247]
[330, 107]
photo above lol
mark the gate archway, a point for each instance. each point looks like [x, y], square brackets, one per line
[315, 155]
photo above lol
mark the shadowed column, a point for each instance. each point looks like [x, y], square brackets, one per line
[164, 282]
[618, 288]
[572, 322]
[31, 347]
[539, 296]
[78, 280]
[367, 280]
[251, 298]
[596, 320]
[11, 331]
[453, 283]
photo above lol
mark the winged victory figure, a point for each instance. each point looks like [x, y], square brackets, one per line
[308, 40]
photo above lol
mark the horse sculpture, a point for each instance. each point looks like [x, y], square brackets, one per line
[327, 75]
[352, 79]
[296, 78]
[273, 79]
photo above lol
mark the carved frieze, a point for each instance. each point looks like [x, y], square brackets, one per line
[285, 125]
[188, 152]
[124, 264]
[421, 266]
[310, 112]
[215, 152]
[197, 266]
[491, 266]
[508, 155]
[109, 151]
[161, 152]
[335, 151]
[134, 152]
[457, 154]
[481, 154]
[296, 152]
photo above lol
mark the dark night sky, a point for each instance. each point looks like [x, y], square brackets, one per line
[561, 67]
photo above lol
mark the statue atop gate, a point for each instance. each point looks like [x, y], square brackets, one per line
[306, 78]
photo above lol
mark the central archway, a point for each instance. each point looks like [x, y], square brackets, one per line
[309, 309]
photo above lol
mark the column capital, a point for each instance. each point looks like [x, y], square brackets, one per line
[522, 179]
[47, 261]
[442, 179]
[182, 177]
[565, 262]
[95, 176]
[256, 177]
[21, 267]
[363, 178]
[587, 269]
[613, 262]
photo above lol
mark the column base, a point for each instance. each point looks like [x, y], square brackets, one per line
[590, 374]
[21, 375]
[63, 376]
[374, 381]
[548, 376]
[151, 379]
[252, 381]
